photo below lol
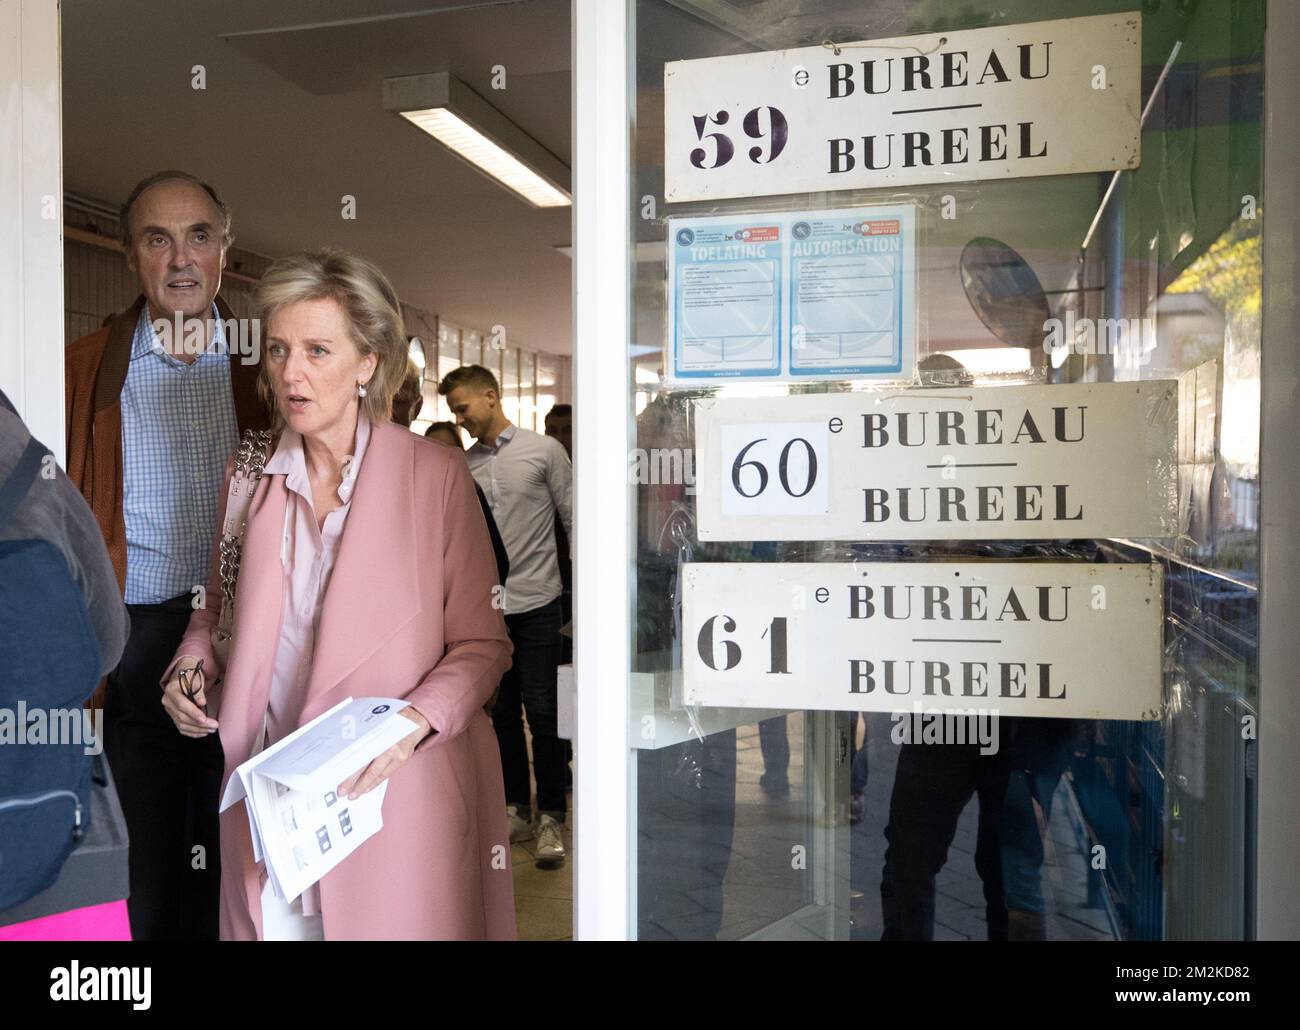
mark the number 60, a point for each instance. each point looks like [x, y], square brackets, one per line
[782, 470]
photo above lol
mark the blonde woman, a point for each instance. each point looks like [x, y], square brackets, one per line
[366, 570]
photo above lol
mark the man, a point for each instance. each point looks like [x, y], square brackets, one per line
[54, 512]
[528, 480]
[407, 405]
[409, 399]
[62, 627]
[153, 413]
[559, 426]
[447, 434]
[934, 782]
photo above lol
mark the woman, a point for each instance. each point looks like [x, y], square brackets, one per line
[366, 571]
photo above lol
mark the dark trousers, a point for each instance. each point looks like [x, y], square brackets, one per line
[932, 785]
[686, 818]
[530, 684]
[168, 786]
[1039, 753]
[774, 742]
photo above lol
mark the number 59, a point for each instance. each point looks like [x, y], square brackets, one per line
[776, 132]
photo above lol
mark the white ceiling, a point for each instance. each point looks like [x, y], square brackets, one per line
[291, 121]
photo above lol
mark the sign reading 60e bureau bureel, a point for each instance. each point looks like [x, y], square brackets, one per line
[1010, 463]
[1017, 638]
[1042, 98]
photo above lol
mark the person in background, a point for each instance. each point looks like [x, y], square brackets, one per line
[686, 792]
[528, 480]
[366, 570]
[407, 405]
[559, 426]
[933, 782]
[1038, 754]
[151, 417]
[409, 398]
[62, 628]
[447, 433]
[55, 512]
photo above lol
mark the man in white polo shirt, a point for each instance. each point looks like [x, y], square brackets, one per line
[527, 480]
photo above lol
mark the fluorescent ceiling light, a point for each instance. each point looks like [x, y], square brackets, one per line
[458, 135]
[480, 135]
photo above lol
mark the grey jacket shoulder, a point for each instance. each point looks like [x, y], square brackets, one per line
[55, 511]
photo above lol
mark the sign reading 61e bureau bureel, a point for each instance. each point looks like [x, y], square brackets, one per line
[1007, 463]
[1041, 98]
[1028, 638]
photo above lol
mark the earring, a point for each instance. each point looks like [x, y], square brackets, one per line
[361, 389]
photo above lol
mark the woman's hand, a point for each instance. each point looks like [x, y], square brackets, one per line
[188, 715]
[390, 761]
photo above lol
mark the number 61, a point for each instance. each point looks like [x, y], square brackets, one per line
[777, 630]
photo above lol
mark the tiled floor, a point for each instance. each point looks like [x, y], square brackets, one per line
[768, 881]
[543, 897]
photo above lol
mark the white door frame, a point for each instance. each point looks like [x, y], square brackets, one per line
[604, 802]
[31, 217]
[1277, 894]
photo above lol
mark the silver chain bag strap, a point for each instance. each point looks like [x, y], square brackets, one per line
[250, 460]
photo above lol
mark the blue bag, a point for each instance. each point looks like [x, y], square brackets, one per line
[49, 666]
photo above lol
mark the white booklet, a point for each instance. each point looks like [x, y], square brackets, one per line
[300, 825]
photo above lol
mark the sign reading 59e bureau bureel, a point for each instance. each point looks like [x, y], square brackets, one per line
[1010, 463]
[1047, 639]
[1041, 98]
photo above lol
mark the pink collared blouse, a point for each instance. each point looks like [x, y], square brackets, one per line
[307, 552]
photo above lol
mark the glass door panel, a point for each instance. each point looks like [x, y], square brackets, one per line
[804, 824]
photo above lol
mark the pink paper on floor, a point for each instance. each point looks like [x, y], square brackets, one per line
[107, 922]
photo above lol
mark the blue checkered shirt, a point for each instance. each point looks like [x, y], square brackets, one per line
[178, 429]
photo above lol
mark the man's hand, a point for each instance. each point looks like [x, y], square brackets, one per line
[188, 716]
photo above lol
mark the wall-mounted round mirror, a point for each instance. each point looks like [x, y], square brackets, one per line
[416, 353]
[1004, 292]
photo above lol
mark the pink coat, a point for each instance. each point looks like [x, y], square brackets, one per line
[408, 613]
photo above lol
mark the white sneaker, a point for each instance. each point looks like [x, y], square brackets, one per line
[550, 843]
[520, 828]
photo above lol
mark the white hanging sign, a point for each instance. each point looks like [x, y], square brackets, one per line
[1069, 461]
[1053, 639]
[1040, 98]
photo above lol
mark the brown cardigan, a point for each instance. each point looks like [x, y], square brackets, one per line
[94, 372]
